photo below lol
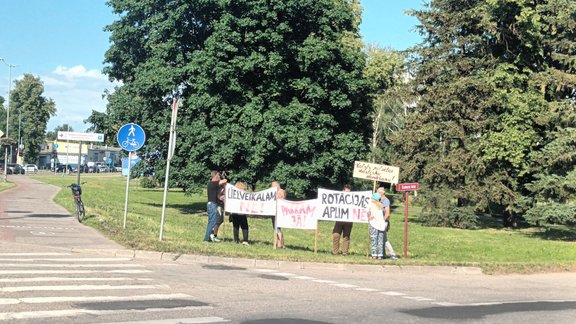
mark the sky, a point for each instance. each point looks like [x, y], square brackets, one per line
[63, 43]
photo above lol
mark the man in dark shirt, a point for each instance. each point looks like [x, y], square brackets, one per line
[212, 207]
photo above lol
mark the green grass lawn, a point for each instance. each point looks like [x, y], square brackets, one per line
[493, 249]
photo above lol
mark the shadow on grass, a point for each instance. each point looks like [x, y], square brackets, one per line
[561, 233]
[191, 208]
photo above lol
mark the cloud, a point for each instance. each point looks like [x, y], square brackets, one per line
[76, 91]
[78, 71]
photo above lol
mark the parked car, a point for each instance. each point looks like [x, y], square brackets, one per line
[30, 168]
[103, 168]
[15, 168]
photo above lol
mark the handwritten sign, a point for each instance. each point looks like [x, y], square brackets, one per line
[343, 206]
[297, 214]
[239, 201]
[376, 172]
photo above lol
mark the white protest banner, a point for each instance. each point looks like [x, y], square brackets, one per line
[343, 206]
[261, 203]
[376, 172]
[297, 214]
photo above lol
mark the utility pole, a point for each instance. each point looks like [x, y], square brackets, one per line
[10, 66]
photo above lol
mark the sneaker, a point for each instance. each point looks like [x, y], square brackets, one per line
[245, 243]
[393, 257]
[214, 238]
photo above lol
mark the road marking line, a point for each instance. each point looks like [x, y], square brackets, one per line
[304, 278]
[264, 270]
[366, 289]
[195, 320]
[283, 274]
[345, 286]
[33, 254]
[80, 287]
[69, 259]
[42, 279]
[131, 271]
[78, 312]
[47, 265]
[392, 293]
[418, 298]
[44, 300]
[324, 281]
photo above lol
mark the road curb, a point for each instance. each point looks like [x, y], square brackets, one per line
[280, 265]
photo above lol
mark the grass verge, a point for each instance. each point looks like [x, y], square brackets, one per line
[495, 250]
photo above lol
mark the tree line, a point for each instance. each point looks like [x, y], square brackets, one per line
[480, 113]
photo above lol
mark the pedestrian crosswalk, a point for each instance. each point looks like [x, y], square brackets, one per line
[38, 287]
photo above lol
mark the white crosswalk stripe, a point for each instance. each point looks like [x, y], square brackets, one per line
[73, 287]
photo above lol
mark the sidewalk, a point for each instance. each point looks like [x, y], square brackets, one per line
[28, 215]
[30, 218]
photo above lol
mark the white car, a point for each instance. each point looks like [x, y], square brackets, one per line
[30, 168]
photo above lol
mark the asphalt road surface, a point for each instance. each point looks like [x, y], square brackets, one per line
[53, 269]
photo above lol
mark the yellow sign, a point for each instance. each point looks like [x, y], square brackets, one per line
[72, 148]
[1, 133]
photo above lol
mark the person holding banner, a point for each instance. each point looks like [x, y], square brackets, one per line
[341, 229]
[377, 227]
[386, 208]
[212, 206]
[281, 194]
[240, 221]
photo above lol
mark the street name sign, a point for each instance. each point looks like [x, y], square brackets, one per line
[407, 186]
[82, 137]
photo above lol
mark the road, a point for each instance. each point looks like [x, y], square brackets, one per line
[54, 269]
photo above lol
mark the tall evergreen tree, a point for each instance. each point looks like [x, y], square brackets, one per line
[485, 103]
[273, 89]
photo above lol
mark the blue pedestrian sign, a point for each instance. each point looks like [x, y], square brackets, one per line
[131, 137]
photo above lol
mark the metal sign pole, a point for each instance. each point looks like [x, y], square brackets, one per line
[127, 187]
[406, 225]
[171, 146]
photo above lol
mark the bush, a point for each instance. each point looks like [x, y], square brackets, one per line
[148, 182]
[459, 217]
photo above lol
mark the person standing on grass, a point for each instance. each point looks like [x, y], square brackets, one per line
[240, 221]
[212, 206]
[341, 229]
[386, 209]
[281, 194]
[376, 227]
[219, 212]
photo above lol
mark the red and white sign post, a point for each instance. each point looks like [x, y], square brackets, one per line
[407, 187]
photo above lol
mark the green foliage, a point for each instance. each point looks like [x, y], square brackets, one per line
[273, 90]
[489, 81]
[148, 182]
[27, 101]
[52, 135]
[458, 217]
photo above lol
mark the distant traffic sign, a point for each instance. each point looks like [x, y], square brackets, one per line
[82, 137]
[131, 137]
[407, 187]
[1, 133]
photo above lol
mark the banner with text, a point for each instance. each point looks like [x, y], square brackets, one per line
[297, 214]
[261, 203]
[376, 172]
[343, 206]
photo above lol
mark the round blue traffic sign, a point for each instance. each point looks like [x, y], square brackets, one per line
[131, 137]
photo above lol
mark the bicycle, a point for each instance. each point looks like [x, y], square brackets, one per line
[80, 211]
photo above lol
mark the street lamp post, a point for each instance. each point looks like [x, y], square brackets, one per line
[10, 66]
